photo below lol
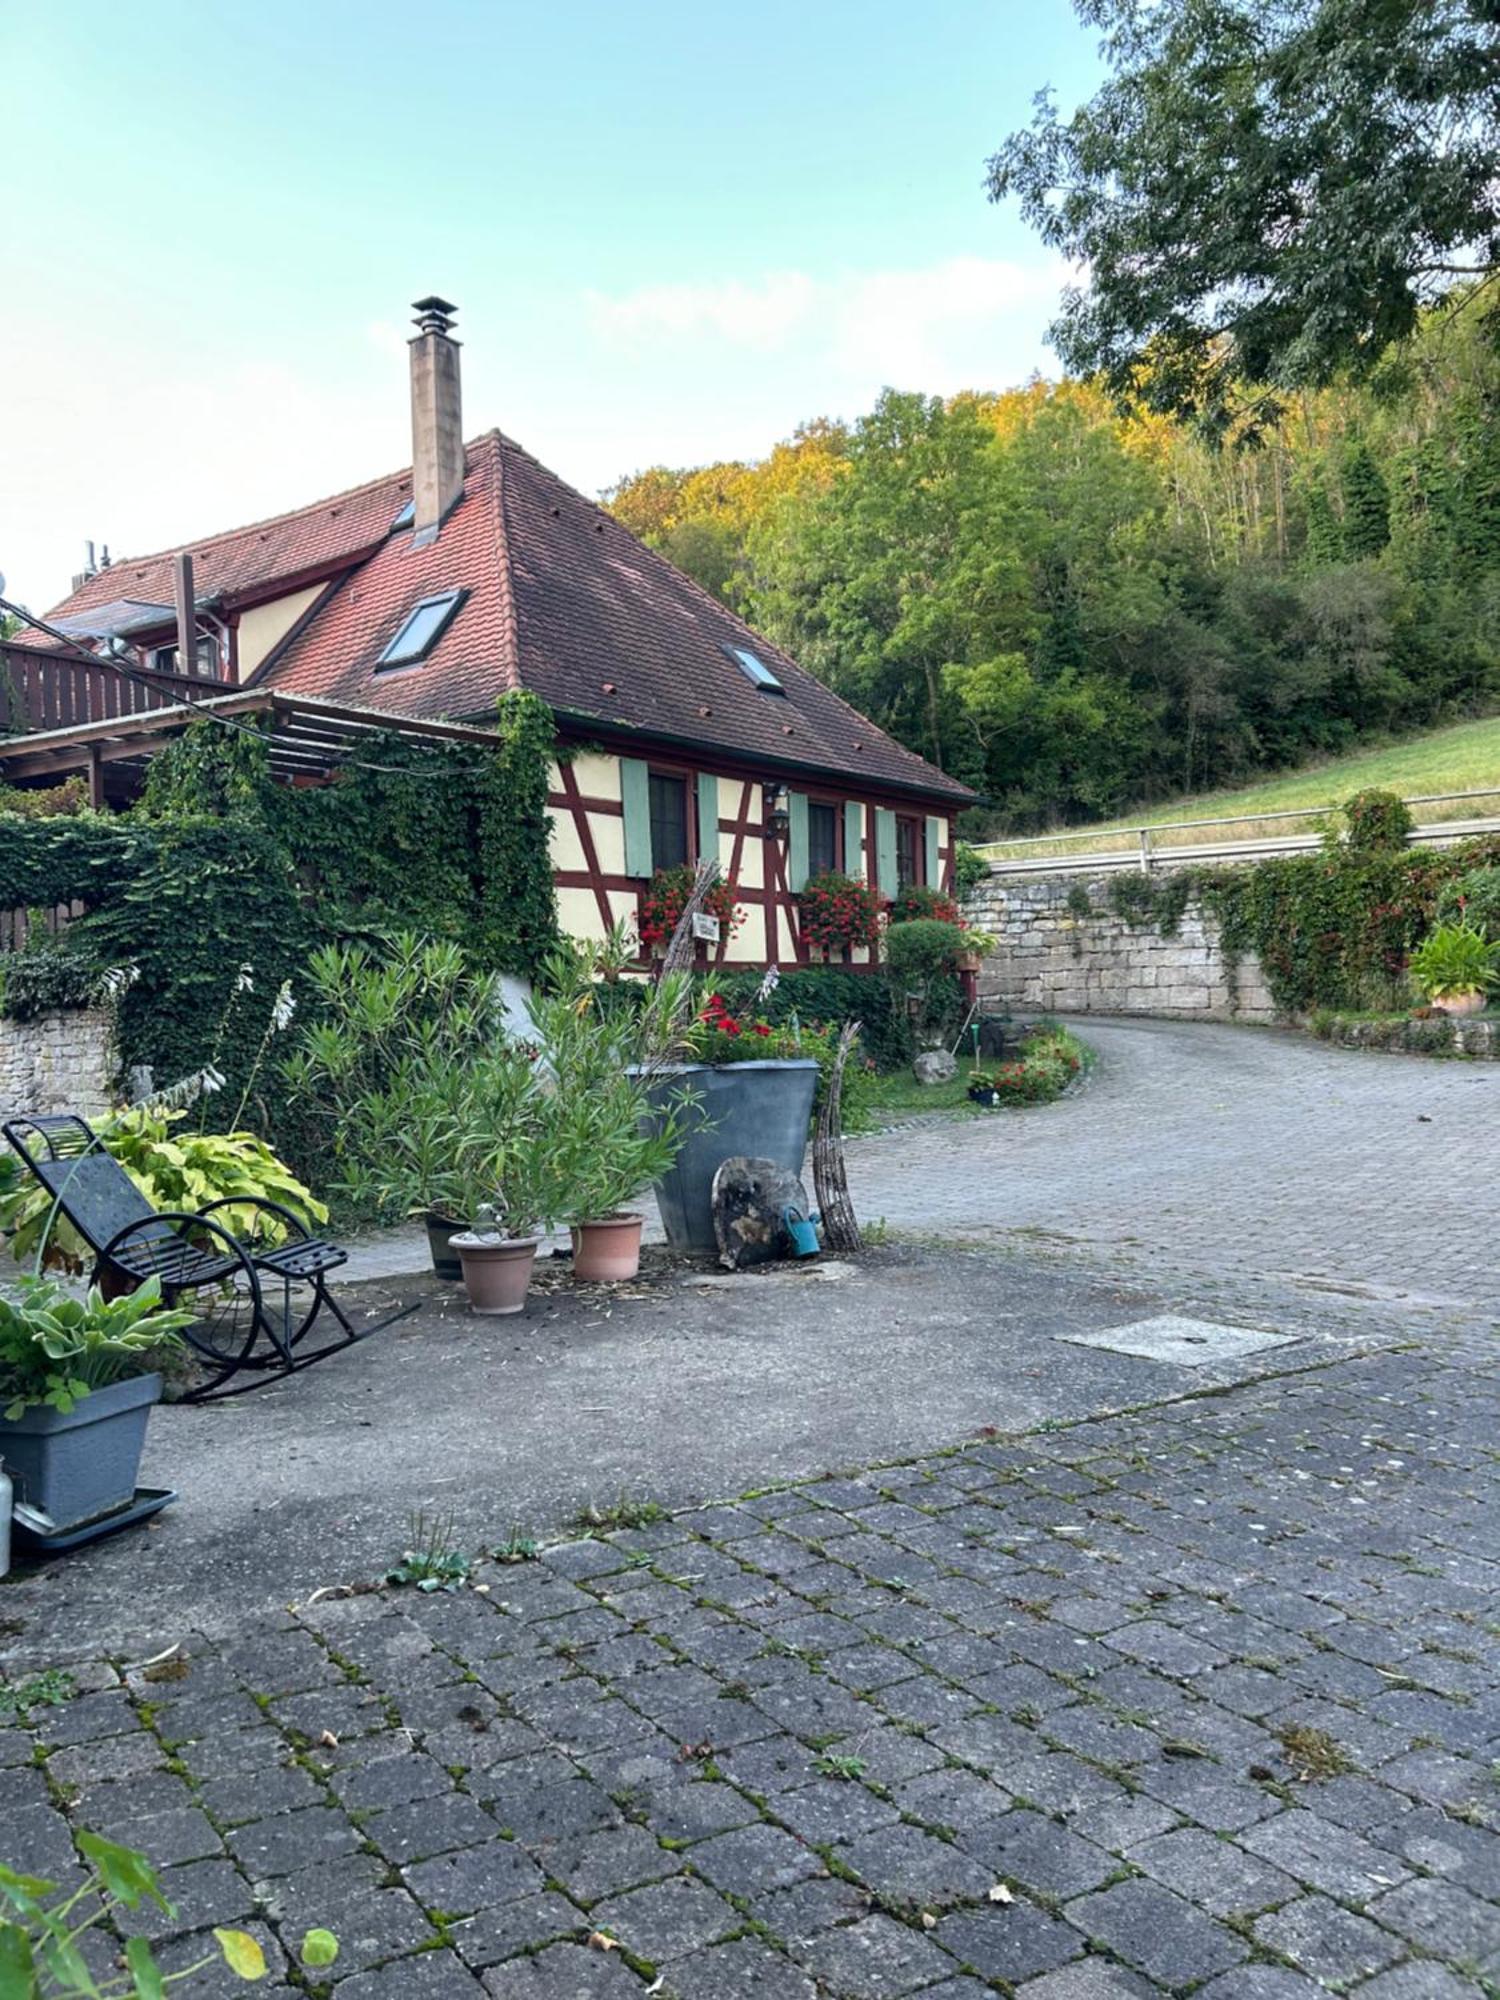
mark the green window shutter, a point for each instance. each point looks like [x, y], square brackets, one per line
[854, 838]
[885, 850]
[934, 843]
[708, 817]
[796, 845]
[635, 796]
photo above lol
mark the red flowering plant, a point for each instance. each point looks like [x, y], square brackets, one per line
[720, 1035]
[916, 901]
[1048, 1060]
[839, 913]
[665, 898]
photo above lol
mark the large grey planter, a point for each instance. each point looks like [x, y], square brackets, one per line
[84, 1464]
[759, 1109]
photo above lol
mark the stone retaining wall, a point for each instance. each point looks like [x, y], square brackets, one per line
[1477, 1036]
[58, 1062]
[1050, 957]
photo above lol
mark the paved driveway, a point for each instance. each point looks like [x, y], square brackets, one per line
[1227, 1151]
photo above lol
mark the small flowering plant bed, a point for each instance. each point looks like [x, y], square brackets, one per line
[665, 898]
[1047, 1061]
[720, 1035]
[839, 914]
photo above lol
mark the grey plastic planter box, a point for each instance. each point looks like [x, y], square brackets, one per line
[759, 1109]
[84, 1464]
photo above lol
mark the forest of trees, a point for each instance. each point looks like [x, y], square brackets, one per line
[1076, 611]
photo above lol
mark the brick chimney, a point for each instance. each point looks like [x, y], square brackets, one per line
[437, 429]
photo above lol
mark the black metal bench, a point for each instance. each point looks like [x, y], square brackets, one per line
[254, 1289]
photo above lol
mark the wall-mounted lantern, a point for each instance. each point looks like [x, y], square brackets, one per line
[778, 806]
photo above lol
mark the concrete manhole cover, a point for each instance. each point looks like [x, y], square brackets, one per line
[1190, 1343]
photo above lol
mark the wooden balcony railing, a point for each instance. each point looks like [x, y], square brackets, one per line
[41, 690]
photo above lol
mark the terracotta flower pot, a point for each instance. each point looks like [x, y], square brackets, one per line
[497, 1270]
[1471, 1002]
[969, 961]
[607, 1250]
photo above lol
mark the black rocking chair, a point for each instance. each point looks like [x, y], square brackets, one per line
[254, 1292]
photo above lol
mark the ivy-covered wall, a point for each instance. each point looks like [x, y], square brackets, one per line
[1274, 939]
[216, 887]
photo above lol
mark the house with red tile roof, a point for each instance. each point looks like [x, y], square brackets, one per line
[418, 599]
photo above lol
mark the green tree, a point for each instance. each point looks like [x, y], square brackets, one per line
[1265, 192]
[1367, 502]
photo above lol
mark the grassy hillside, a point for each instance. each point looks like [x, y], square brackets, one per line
[1464, 758]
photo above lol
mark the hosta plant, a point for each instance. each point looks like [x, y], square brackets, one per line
[1454, 961]
[55, 1348]
[44, 1931]
[173, 1169]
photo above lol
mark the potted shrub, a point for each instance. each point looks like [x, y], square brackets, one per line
[923, 956]
[604, 1148]
[506, 1169]
[1455, 967]
[496, 1257]
[77, 1381]
[393, 1064]
[973, 948]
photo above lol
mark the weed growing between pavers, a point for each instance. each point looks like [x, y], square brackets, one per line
[51, 1688]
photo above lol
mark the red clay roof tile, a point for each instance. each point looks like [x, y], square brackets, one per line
[561, 598]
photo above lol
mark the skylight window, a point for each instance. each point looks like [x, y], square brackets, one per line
[425, 625]
[406, 516]
[755, 669]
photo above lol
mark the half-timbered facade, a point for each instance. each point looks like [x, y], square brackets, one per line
[428, 594]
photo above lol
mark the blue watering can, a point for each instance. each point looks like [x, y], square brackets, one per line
[803, 1231]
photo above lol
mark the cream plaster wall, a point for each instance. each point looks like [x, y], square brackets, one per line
[266, 625]
[597, 776]
[608, 830]
[563, 842]
[578, 914]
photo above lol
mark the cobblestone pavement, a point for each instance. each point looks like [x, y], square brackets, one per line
[1200, 1699]
[1198, 1147]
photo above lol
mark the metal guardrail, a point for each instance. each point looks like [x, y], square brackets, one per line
[1149, 849]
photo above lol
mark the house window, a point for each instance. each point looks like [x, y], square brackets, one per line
[669, 824]
[164, 659]
[425, 624]
[822, 838]
[755, 669]
[908, 852]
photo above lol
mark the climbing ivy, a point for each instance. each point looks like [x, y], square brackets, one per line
[1333, 929]
[219, 868]
[1151, 901]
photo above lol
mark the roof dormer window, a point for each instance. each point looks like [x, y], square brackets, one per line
[425, 625]
[755, 669]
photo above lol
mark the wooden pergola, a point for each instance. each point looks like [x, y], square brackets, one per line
[306, 740]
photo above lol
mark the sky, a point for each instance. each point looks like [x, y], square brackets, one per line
[673, 232]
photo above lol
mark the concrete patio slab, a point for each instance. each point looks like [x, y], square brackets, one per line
[1187, 1343]
[684, 1386]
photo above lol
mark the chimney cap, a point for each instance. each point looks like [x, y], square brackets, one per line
[434, 315]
